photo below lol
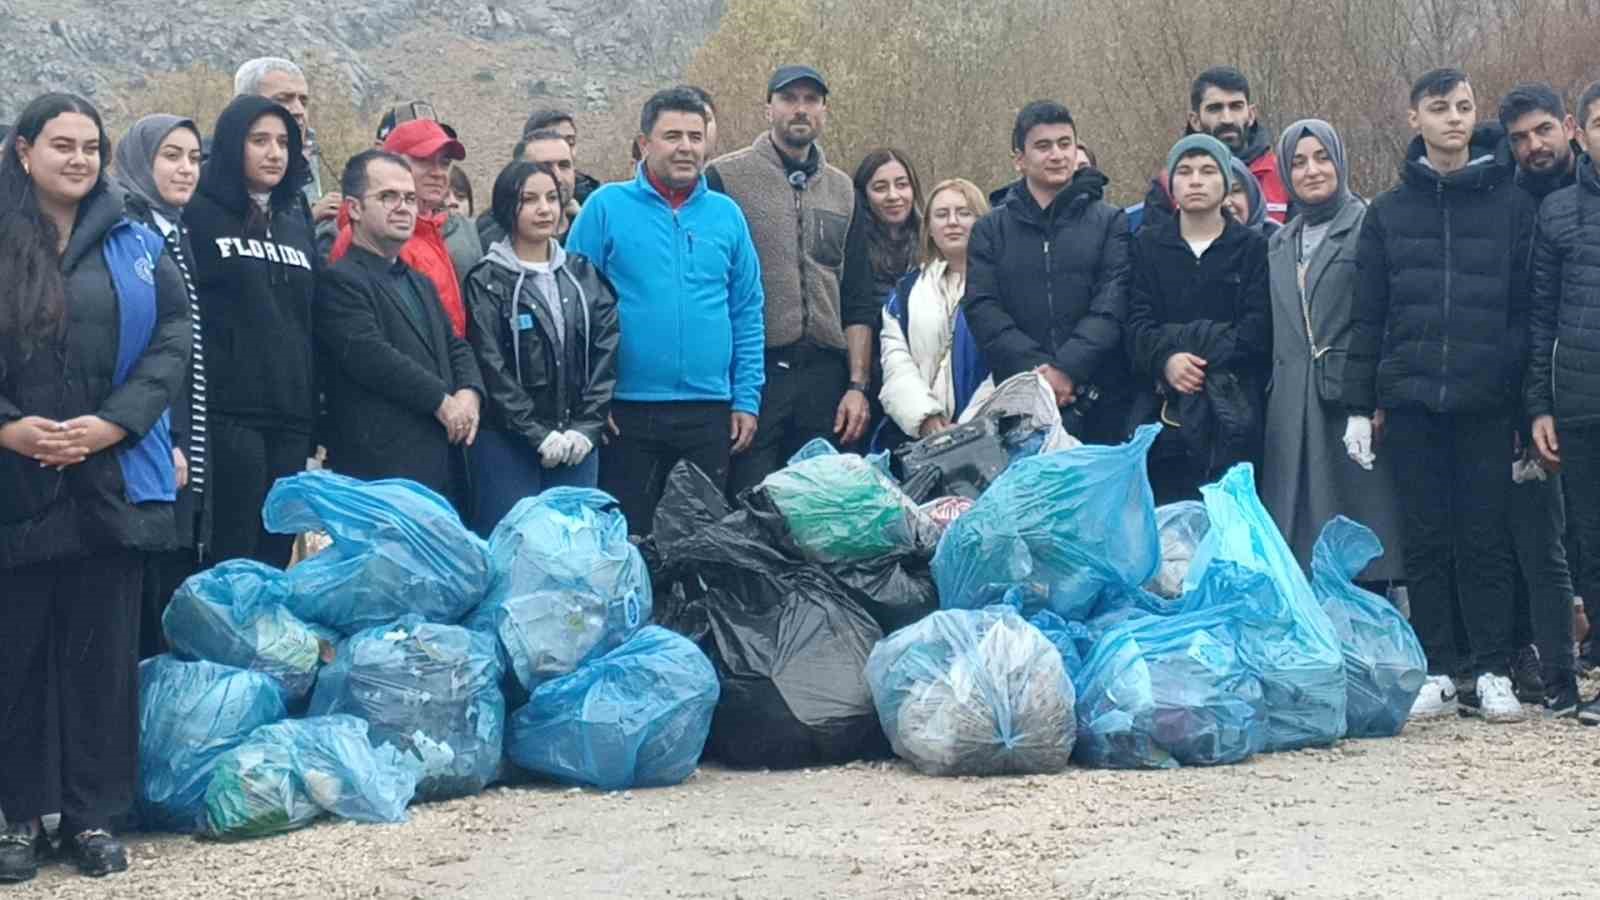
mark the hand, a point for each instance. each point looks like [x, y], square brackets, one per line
[93, 434]
[932, 425]
[553, 449]
[40, 439]
[1545, 441]
[578, 447]
[1358, 441]
[850, 422]
[328, 207]
[1060, 384]
[472, 404]
[743, 431]
[1186, 373]
[453, 416]
[181, 464]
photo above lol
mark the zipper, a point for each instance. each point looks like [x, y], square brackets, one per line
[1554, 349]
[1050, 296]
[800, 240]
[683, 287]
[1449, 264]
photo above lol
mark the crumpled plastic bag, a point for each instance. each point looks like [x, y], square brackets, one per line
[1181, 526]
[287, 774]
[974, 692]
[398, 548]
[430, 690]
[638, 716]
[839, 507]
[190, 714]
[235, 614]
[1073, 640]
[1384, 666]
[1059, 529]
[569, 586]
[1027, 405]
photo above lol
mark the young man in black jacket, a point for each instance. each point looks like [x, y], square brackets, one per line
[403, 390]
[1047, 277]
[1442, 293]
[1563, 389]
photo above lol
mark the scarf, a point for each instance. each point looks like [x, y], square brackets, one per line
[1314, 213]
[135, 158]
[1252, 191]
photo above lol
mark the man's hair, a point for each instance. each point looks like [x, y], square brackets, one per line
[358, 171]
[505, 200]
[1036, 113]
[1586, 102]
[1530, 97]
[1094, 162]
[533, 137]
[547, 117]
[704, 97]
[461, 185]
[1224, 78]
[247, 81]
[1436, 83]
[675, 99]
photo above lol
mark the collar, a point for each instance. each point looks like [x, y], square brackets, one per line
[675, 197]
[375, 263]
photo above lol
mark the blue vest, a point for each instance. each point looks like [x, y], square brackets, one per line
[131, 252]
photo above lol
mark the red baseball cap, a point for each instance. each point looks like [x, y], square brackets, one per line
[421, 139]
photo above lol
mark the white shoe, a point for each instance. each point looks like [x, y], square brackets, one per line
[1437, 698]
[1496, 702]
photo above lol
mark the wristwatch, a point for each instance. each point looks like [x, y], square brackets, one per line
[857, 386]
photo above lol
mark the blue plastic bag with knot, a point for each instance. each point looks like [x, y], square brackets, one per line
[1384, 666]
[236, 613]
[398, 548]
[190, 714]
[569, 586]
[1054, 532]
[638, 716]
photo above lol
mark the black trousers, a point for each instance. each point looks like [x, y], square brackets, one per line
[1580, 470]
[69, 690]
[164, 573]
[653, 438]
[799, 403]
[245, 461]
[1453, 478]
[1538, 523]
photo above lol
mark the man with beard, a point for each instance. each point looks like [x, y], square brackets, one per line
[1219, 105]
[1543, 138]
[819, 320]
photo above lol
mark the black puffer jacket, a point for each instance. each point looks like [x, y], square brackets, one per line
[47, 515]
[534, 386]
[1050, 285]
[1442, 296]
[1564, 321]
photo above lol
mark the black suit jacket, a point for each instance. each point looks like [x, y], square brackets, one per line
[386, 372]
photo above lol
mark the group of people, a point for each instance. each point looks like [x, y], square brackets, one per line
[190, 318]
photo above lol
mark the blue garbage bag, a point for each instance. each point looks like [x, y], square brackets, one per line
[1073, 640]
[190, 713]
[636, 717]
[398, 548]
[287, 774]
[1384, 666]
[1181, 527]
[974, 692]
[1061, 528]
[430, 690]
[235, 614]
[569, 586]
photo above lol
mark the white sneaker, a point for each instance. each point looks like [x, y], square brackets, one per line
[1437, 698]
[1496, 702]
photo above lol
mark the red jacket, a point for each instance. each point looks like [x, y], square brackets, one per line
[427, 254]
[1265, 169]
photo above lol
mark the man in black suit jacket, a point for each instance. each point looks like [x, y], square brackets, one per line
[403, 391]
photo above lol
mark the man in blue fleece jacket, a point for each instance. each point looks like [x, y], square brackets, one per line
[688, 284]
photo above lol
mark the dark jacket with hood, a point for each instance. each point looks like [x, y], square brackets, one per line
[255, 276]
[1564, 321]
[537, 384]
[1050, 286]
[46, 515]
[1442, 294]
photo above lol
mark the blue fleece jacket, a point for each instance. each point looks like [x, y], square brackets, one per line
[689, 296]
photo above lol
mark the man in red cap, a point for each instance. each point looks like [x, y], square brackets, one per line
[429, 151]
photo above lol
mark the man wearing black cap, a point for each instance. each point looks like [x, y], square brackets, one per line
[819, 325]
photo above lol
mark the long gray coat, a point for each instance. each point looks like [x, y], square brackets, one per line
[1306, 477]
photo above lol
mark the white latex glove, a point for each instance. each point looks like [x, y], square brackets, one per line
[1358, 441]
[578, 447]
[553, 449]
[1526, 470]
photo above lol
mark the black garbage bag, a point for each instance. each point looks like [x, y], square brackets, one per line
[789, 643]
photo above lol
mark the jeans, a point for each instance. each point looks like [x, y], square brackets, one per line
[799, 403]
[506, 469]
[654, 437]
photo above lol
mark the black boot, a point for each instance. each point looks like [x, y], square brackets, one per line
[22, 849]
[97, 853]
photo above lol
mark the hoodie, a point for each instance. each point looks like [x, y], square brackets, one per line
[255, 277]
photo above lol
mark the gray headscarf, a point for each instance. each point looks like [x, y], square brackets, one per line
[133, 167]
[1252, 192]
[1314, 214]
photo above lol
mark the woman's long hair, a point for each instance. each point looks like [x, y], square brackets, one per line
[33, 298]
[975, 200]
[505, 202]
[891, 255]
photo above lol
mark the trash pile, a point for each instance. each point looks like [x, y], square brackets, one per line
[994, 599]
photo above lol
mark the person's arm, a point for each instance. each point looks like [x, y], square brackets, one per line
[1099, 333]
[154, 382]
[906, 396]
[1543, 306]
[486, 329]
[605, 333]
[1368, 314]
[588, 236]
[747, 312]
[1007, 347]
[350, 336]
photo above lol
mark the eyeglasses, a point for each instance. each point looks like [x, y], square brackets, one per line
[393, 200]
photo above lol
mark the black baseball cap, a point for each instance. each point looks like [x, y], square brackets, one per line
[787, 75]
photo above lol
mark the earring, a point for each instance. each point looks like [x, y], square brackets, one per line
[25, 169]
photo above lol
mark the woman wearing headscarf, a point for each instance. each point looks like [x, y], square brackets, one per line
[157, 166]
[1309, 474]
[1245, 202]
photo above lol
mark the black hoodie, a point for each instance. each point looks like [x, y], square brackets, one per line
[255, 278]
[1443, 286]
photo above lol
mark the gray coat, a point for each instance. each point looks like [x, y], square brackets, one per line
[1306, 477]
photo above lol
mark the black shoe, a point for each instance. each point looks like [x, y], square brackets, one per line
[1589, 713]
[1563, 702]
[21, 852]
[97, 853]
[1526, 681]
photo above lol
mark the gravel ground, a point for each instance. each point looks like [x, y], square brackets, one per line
[1452, 808]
